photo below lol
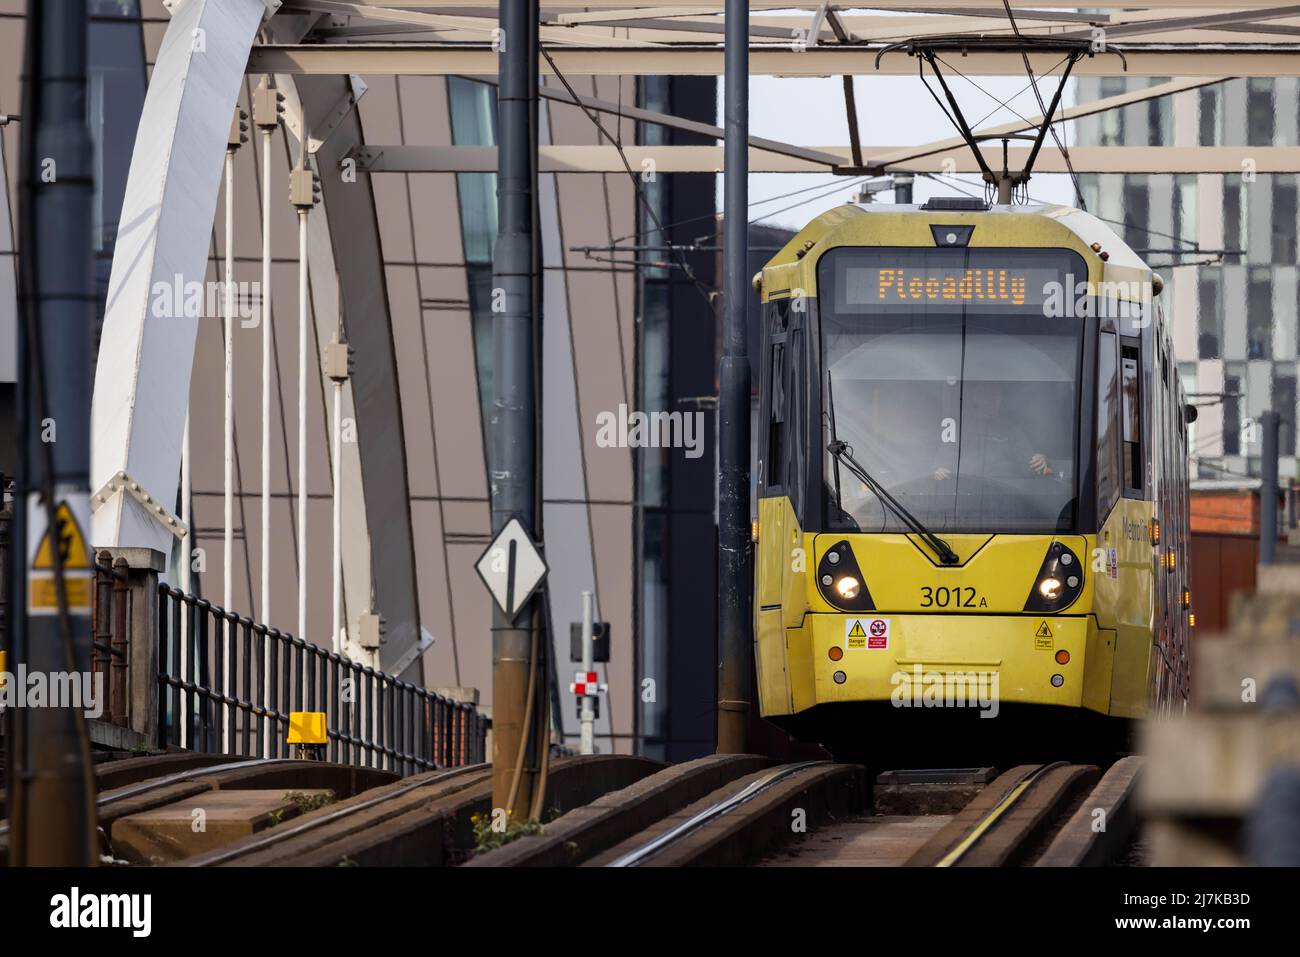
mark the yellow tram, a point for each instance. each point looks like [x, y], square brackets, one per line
[972, 484]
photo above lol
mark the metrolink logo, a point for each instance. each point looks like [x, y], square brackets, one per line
[56, 689]
[1135, 531]
[946, 689]
[76, 910]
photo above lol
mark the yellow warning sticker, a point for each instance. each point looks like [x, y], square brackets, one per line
[64, 534]
[1043, 644]
[866, 633]
[70, 541]
[44, 593]
[1044, 630]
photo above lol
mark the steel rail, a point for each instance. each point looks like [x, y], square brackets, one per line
[283, 833]
[121, 794]
[743, 796]
[1005, 803]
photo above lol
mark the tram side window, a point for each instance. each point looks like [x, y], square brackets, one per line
[1108, 472]
[1131, 420]
[776, 417]
[796, 398]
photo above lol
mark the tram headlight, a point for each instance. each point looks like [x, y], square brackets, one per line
[1059, 581]
[840, 581]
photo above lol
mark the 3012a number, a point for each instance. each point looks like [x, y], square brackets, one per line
[959, 597]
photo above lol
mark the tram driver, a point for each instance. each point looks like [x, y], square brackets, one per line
[994, 441]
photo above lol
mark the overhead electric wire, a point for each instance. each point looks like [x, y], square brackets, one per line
[1051, 128]
[751, 205]
[708, 294]
[956, 184]
[811, 199]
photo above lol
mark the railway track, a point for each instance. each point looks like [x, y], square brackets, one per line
[133, 787]
[823, 814]
[625, 812]
[306, 813]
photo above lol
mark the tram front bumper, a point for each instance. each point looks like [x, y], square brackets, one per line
[955, 660]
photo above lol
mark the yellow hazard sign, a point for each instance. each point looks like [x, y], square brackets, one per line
[856, 631]
[70, 541]
[1044, 630]
[64, 534]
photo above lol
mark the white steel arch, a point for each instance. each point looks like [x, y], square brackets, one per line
[142, 378]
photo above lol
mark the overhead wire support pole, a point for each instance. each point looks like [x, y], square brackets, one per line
[1269, 421]
[303, 350]
[303, 190]
[516, 760]
[236, 139]
[734, 559]
[338, 367]
[266, 115]
[51, 805]
[187, 575]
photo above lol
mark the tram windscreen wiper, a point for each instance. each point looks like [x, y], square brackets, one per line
[843, 453]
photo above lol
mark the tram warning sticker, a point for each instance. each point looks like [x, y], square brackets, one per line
[1112, 563]
[870, 633]
[1043, 636]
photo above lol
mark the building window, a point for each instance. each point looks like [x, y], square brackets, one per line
[1260, 121]
[115, 89]
[1211, 122]
[1187, 377]
[1284, 220]
[1211, 313]
[1234, 401]
[1259, 315]
[1090, 190]
[1160, 117]
[1112, 121]
[473, 107]
[1235, 216]
[473, 123]
[1137, 211]
[1184, 213]
[1284, 404]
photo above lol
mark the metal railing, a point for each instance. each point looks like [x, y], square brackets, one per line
[227, 684]
[111, 636]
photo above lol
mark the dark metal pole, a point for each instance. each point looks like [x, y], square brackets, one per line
[52, 795]
[735, 582]
[903, 188]
[514, 440]
[1268, 488]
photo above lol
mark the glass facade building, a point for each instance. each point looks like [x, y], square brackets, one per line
[1226, 246]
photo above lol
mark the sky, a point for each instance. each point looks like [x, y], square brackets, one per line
[892, 111]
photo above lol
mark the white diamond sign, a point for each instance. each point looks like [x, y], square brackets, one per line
[512, 568]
